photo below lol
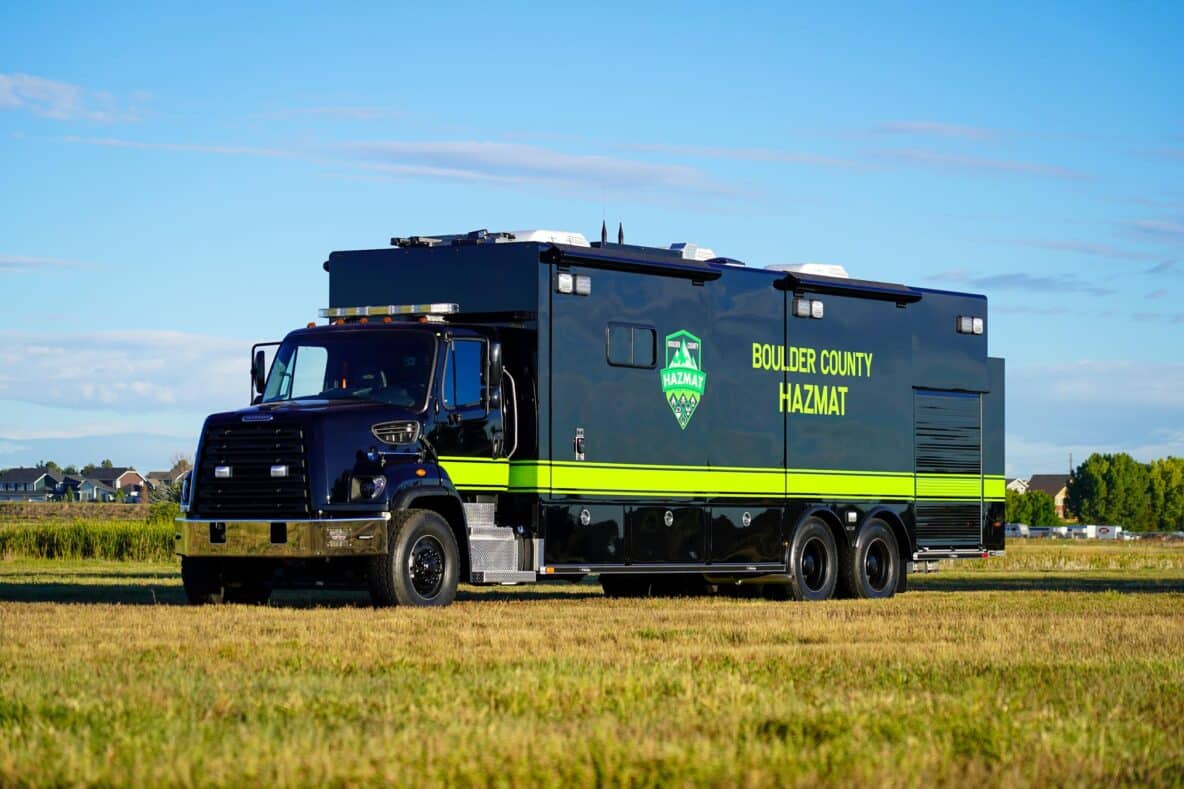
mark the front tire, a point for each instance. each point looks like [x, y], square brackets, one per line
[873, 567]
[813, 562]
[215, 581]
[202, 580]
[421, 566]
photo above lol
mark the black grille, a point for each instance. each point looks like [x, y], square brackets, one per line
[250, 451]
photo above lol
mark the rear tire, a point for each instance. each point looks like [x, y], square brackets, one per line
[872, 569]
[422, 565]
[813, 562]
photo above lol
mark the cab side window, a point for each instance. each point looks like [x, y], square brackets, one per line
[464, 374]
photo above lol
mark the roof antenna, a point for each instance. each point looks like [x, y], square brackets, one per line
[620, 233]
[603, 233]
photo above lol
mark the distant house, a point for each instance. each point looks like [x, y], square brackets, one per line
[1018, 485]
[158, 478]
[27, 484]
[1055, 485]
[131, 482]
[93, 490]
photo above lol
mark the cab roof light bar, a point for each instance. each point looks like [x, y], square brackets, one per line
[389, 309]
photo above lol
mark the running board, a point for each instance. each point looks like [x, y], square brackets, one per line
[655, 569]
[931, 554]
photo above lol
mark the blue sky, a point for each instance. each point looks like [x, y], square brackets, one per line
[172, 180]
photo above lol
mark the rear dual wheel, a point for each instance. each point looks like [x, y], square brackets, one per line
[813, 562]
[873, 567]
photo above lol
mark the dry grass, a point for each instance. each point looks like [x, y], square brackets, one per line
[1079, 679]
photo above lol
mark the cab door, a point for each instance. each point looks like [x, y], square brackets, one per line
[465, 426]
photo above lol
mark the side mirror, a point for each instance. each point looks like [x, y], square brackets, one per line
[495, 376]
[259, 371]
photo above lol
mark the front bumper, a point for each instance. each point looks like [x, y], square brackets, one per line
[298, 539]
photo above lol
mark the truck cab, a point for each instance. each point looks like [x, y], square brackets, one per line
[345, 432]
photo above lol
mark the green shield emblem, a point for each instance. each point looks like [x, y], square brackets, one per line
[683, 379]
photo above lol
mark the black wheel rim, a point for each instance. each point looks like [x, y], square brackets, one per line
[877, 565]
[814, 565]
[425, 565]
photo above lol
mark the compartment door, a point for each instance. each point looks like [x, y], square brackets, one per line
[949, 487]
[643, 446]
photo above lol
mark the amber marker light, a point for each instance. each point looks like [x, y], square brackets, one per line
[311, 325]
[388, 319]
[420, 472]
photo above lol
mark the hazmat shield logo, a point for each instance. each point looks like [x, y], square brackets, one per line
[683, 379]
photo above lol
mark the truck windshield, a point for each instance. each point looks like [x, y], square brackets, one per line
[383, 366]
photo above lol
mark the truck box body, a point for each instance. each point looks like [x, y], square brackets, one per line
[878, 404]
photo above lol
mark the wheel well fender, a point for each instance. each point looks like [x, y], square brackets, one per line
[903, 543]
[444, 501]
[828, 517]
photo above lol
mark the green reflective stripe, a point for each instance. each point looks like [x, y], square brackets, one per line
[869, 484]
[625, 479]
[530, 475]
[685, 480]
[994, 488]
[477, 473]
[945, 486]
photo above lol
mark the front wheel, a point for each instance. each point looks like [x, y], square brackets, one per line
[422, 565]
[813, 562]
[214, 581]
[202, 580]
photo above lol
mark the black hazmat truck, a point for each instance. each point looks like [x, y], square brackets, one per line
[512, 407]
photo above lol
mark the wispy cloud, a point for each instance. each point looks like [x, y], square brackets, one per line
[61, 101]
[1084, 248]
[23, 264]
[1166, 267]
[747, 154]
[514, 163]
[1159, 293]
[1020, 309]
[226, 150]
[351, 113]
[973, 164]
[1021, 281]
[1158, 229]
[1168, 153]
[9, 448]
[935, 129]
[122, 370]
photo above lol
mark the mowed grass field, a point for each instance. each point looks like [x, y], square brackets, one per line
[1061, 663]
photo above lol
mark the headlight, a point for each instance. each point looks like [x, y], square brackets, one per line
[185, 490]
[367, 488]
[396, 432]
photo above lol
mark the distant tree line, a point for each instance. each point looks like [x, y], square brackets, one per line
[1034, 508]
[1117, 489]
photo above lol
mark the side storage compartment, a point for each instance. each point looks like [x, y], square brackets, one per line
[948, 447]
